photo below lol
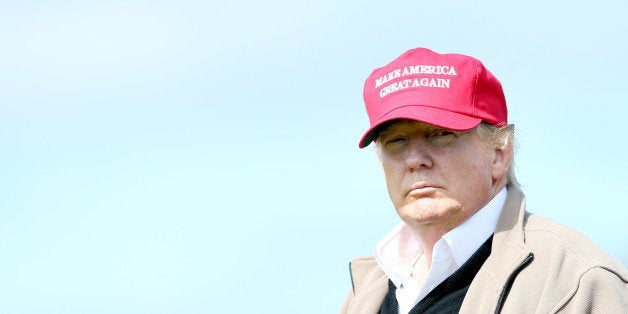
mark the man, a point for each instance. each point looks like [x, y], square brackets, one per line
[466, 243]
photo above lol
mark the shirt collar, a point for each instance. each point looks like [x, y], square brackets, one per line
[398, 251]
[467, 238]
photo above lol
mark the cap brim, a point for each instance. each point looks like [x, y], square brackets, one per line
[430, 115]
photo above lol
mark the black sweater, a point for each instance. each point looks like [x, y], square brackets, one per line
[447, 297]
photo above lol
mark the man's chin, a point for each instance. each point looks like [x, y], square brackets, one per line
[427, 211]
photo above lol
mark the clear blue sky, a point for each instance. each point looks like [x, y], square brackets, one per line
[201, 157]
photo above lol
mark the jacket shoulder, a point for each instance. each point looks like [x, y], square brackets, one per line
[572, 272]
[563, 244]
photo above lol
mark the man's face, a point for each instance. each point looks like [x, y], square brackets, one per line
[438, 177]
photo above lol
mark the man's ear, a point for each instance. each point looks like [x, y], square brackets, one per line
[501, 161]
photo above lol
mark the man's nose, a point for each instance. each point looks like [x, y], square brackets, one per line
[418, 155]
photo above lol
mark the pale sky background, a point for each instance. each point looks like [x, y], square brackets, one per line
[202, 157]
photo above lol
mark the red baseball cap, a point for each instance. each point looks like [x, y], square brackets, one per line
[451, 91]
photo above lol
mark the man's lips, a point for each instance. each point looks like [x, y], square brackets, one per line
[421, 187]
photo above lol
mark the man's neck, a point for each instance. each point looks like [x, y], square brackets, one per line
[428, 234]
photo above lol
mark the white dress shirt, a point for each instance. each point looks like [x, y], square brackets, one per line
[399, 250]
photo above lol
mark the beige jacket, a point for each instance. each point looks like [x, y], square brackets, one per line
[535, 266]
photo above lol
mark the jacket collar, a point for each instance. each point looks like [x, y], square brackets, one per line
[509, 239]
[370, 286]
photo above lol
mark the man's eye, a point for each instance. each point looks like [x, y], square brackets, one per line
[394, 140]
[442, 137]
[444, 133]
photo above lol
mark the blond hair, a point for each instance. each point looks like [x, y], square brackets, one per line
[503, 137]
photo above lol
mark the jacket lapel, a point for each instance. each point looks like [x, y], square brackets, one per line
[370, 286]
[508, 252]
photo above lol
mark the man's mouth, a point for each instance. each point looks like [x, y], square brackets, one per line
[421, 187]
